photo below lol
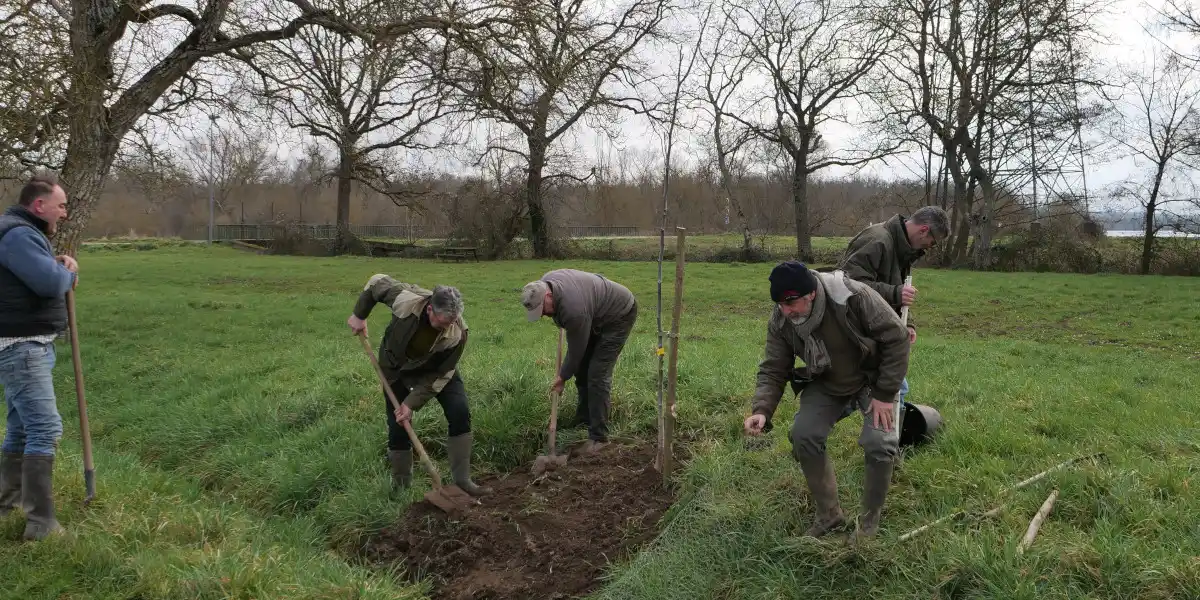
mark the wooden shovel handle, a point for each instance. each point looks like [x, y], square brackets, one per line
[433, 472]
[85, 430]
[554, 396]
[904, 319]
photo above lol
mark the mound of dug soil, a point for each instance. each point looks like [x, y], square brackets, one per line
[535, 537]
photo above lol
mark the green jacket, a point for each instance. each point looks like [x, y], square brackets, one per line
[866, 319]
[881, 257]
[426, 375]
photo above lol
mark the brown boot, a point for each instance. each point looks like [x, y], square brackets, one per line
[822, 487]
[877, 480]
[10, 481]
[458, 450]
[401, 462]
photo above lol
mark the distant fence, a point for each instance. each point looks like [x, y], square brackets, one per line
[322, 232]
[328, 231]
[578, 231]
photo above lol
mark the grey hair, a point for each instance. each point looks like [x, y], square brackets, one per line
[935, 218]
[446, 301]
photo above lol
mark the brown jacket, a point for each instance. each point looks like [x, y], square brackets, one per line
[865, 318]
[881, 257]
[426, 375]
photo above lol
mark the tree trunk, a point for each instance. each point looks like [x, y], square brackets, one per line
[1148, 230]
[982, 256]
[533, 198]
[90, 153]
[964, 200]
[345, 174]
[726, 176]
[93, 137]
[800, 206]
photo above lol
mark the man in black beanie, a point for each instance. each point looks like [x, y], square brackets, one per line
[855, 352]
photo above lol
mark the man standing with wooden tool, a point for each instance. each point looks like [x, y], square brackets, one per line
[597, 315]
[883, 254]
[33, 312]
[419, 356]
[855, 353]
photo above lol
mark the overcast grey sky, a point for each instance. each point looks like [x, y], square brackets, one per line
[1122, 28]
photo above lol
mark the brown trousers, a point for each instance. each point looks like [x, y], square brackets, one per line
[820, 411]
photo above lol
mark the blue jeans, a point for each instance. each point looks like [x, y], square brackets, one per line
[903, 389]
[34, 425]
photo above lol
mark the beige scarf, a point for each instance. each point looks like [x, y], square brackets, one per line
[816, 356]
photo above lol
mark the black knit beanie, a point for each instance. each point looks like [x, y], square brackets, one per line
[791, 279]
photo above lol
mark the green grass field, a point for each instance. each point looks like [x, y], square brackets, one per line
[239, 435]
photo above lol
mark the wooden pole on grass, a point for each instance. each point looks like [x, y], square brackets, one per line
[1036, 523]
[668, 420]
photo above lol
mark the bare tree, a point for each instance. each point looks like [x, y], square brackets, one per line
[228, 159]
[1161, 125]
[981, 76]
[366, 98]
[723, 73]
[33, 57]
[145, 170]
[558, 62]
[815, 56]
[102, 98]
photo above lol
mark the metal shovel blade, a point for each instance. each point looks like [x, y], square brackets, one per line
[548, 462]
[450, 498]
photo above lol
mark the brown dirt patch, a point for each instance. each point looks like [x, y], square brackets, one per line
[547, 537]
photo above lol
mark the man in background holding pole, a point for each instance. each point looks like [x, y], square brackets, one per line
[883, 254]
[33, 312]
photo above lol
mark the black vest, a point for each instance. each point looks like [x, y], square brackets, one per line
[23, 313]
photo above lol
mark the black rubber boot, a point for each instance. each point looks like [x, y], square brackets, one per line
[458, 450]
[10, 481]
[37, 487]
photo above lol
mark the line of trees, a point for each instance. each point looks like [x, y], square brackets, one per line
[996, 98]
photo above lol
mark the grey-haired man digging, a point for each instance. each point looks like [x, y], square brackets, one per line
[855, 352]
[597, 315]
[419, 357]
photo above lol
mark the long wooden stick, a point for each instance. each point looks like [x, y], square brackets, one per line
[669, 411]
[898, 413]
[996, 510]
[412, 436]
[85, 430]
[1036, 523]
[554, 397]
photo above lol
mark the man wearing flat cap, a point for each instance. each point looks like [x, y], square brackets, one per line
[597, 315]
[855, 352]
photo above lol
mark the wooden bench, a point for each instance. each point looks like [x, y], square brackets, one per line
[457, 253]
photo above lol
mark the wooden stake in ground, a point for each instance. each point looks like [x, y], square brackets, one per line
[668, 420]
[680, 77]
[1036, 523]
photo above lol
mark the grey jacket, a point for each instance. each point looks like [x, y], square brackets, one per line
[583, 303]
